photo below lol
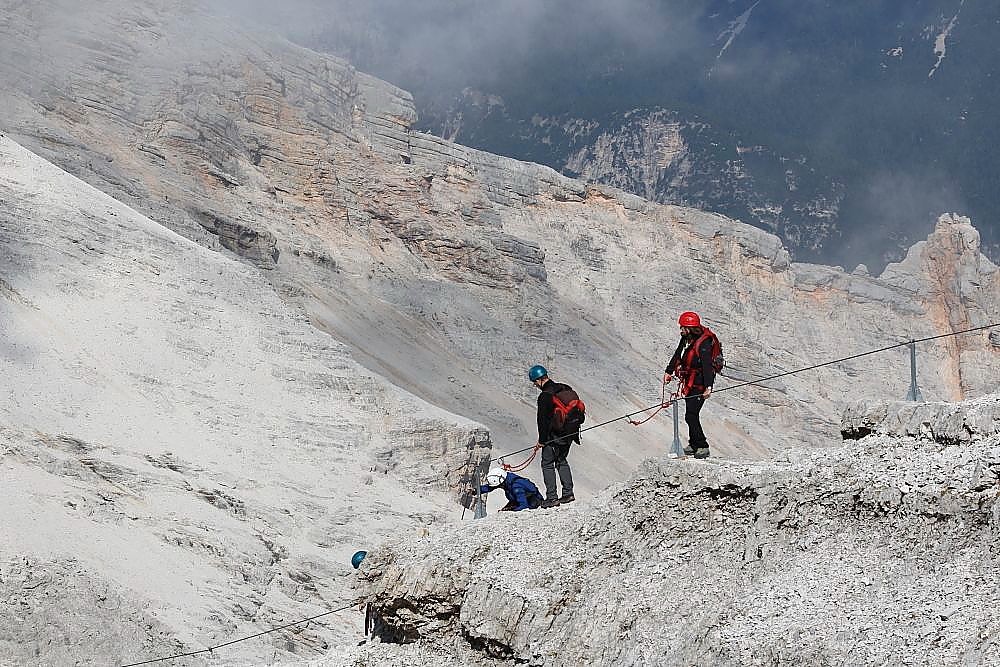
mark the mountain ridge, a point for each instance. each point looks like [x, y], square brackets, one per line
[858, 115]
[321, 227]
[877, 550]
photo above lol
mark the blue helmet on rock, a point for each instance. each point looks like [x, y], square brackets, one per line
[357, 558]
[536, 372]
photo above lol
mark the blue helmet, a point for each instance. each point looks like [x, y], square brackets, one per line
[537, 372]
[357, 558]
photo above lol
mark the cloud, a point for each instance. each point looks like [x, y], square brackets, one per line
[453, 43]
[894, 209]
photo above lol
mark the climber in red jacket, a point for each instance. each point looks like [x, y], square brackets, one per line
[696, 360]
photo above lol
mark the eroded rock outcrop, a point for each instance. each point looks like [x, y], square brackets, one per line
[944, 423]
[881, 550]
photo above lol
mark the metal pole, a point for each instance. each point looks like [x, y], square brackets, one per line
[480, 499]
[914, 393]
[675, 449]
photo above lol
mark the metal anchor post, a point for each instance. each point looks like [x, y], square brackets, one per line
[675, 449]
[480, 512]
[914, 393]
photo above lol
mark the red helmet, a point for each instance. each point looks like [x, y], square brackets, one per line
[689, 319]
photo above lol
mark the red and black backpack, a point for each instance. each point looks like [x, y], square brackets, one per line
[718, 361]
[569, 413]
[692, 352]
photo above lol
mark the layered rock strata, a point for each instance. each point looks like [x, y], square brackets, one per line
[466, 266]
[444, 270]
[183, 457]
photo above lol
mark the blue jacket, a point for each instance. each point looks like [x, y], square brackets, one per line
[518, 490]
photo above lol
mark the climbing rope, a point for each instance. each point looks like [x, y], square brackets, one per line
[241, 639]
[859, 355]
[518, 467]
[760, 380]
[663, 402]
[756, 382]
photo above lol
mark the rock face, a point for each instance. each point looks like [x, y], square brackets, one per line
[944, 423]
[878, 551]
[851, 179]
[50, 610]
[470, 266]
[230, 391]
[657, 146]
[183, 457]
[665, 157]
[955, 278]
[259, 247]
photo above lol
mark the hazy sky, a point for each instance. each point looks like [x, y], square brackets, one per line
[463, 40]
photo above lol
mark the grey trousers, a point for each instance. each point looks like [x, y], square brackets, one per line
[554, 458]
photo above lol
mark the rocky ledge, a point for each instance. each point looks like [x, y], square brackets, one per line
[881, 551]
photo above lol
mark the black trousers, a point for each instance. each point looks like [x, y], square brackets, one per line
[692, 415]
[553, 459]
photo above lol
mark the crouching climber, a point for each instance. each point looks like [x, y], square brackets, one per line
[521, 493]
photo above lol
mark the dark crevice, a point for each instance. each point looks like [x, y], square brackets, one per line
[488, 646]
[855, 432]
[730, 493]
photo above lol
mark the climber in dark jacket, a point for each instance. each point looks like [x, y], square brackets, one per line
[555, 442]
[521, 493]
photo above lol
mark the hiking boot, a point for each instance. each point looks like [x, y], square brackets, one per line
[568, 498]
[546, 504]
[688, 450]
[701, 453]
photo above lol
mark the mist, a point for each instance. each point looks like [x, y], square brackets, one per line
[839, 107]
[897, 208]
[812, 87]
[502, 45]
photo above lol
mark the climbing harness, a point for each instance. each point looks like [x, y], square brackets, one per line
[691, 356]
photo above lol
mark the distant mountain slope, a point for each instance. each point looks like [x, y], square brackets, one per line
[182, 456]
[845, 128]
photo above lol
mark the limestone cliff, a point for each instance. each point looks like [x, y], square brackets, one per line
[146, 372]
[466, 266]
[182, 456]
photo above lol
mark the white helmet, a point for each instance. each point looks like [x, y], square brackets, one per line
[495, 477]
